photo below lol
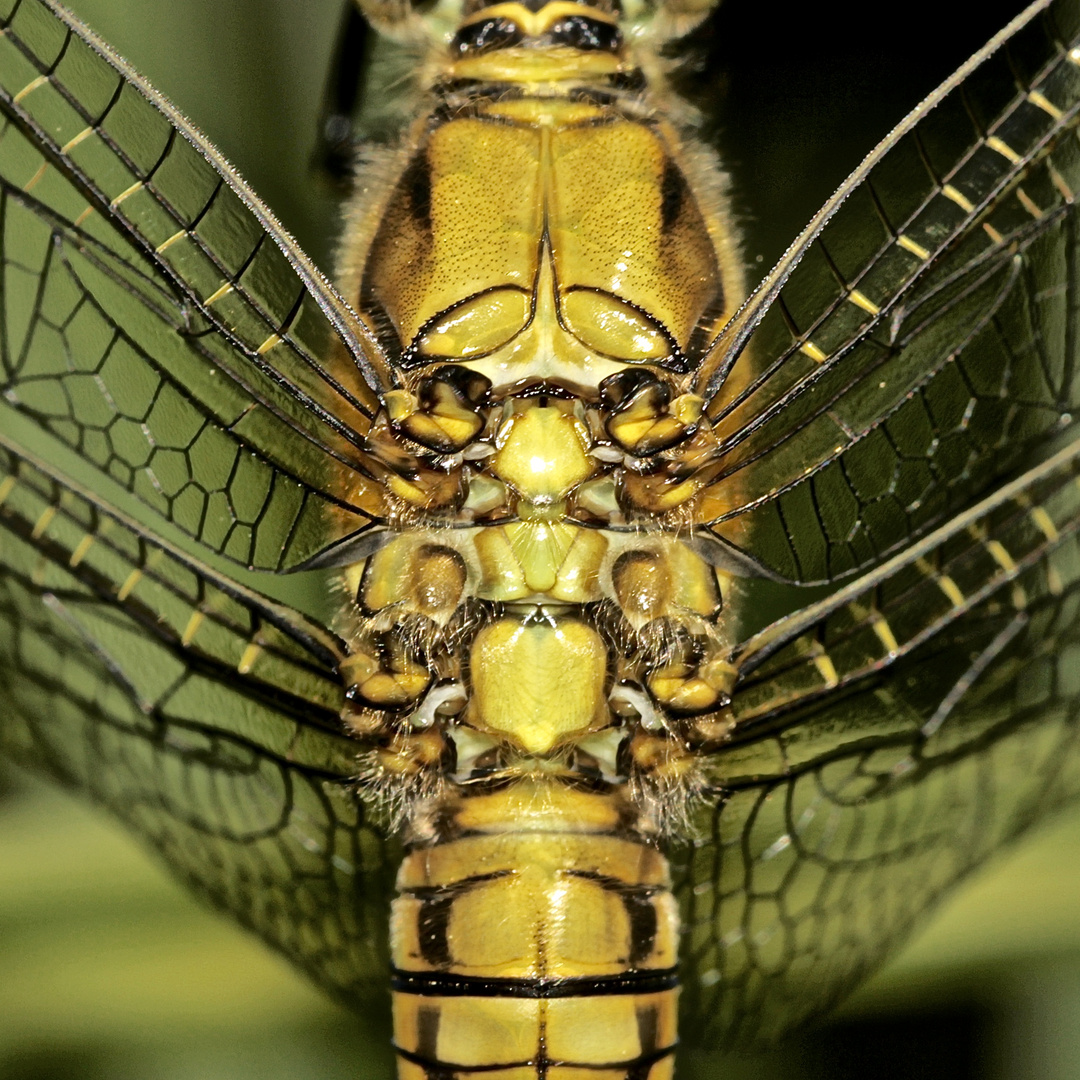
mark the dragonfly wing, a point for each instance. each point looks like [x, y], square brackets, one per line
[919, 340]
[886, 741]
[201, 715]
[157, 318]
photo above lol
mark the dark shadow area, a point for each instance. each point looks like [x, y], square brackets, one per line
[953, 1043]
[796, 95]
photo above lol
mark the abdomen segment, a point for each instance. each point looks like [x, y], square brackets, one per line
[537, 936]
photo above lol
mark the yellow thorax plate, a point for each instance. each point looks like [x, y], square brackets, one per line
[542, 455]
[542, 217]
[539, 558]
[538, 683]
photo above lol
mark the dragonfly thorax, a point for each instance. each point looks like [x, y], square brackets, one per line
[544, 227]
[541, 614]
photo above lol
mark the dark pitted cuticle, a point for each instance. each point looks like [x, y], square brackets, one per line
[488, 34]
[581, 32]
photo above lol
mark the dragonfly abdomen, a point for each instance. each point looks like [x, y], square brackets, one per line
[538, 933]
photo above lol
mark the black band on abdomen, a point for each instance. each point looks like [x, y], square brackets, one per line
[442, 984]
[632, 1066]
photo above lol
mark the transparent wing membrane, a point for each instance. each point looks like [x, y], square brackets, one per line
[202, 716]
[156, 317]
[975, 560]
[885, 742]
[919, 340]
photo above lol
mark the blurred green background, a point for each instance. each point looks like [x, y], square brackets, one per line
[108, 971]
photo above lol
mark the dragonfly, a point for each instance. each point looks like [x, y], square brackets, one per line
[553, 678]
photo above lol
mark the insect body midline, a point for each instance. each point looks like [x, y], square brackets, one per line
[547, 266]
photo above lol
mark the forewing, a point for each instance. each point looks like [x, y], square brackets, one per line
[886, 741]
[201, 715]
[919, 341]
[158, 319]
